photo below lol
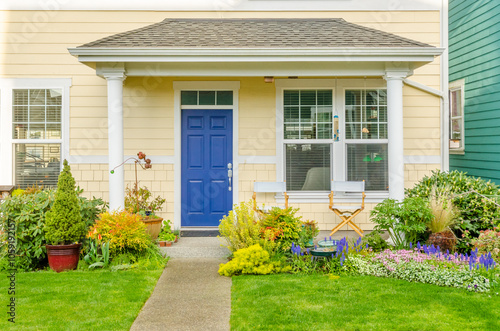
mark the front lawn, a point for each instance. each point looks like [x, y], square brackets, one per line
[79, 300]
[318, 302]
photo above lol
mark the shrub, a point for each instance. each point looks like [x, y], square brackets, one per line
[240, 228]
[375, 241]
[404, 221]
[64, 223]
[124, 231]
[27, 211]
[470, 196]
[251, 260]
[138, 199]
[284, 224]
[488, 242]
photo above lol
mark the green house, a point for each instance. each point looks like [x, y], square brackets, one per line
[474, 88]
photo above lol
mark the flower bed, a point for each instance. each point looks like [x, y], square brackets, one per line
[426, 264]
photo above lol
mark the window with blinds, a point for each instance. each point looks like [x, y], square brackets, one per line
[37, 136]
[308, 116]
[366, 120]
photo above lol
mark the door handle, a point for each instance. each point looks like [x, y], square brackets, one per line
[230, 174]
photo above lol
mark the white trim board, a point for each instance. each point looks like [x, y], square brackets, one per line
[218, 6]
[178, 86]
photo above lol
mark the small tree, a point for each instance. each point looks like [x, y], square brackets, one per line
[63, 223]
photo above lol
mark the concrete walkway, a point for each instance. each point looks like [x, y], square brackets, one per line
[190, 294]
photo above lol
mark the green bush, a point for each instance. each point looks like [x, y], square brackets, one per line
[488, 242]
[251, 260]
[28, 211]
[474, 197]
[405, 221]
[240, 228]
[64, 224]
[375, 241]
[285, 226]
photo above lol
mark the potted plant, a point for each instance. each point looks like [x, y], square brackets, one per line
[445, 215]
[308, 232]
[166, 236]
[64, 226]
[137, 199]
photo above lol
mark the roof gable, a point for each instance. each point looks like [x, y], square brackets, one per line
[254, 33]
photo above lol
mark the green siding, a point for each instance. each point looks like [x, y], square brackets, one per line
[474, 50]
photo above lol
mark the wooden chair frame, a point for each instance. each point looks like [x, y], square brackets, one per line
[268, 187]
[347, 216]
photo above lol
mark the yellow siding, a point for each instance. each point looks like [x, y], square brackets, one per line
[29, 49]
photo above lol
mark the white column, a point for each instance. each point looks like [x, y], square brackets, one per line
[395, 134]
[115, 139]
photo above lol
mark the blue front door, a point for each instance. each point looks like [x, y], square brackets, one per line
[207, 153]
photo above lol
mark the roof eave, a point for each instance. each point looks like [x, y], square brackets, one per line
[93, 54]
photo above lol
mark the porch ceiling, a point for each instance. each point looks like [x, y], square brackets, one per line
[255, 47]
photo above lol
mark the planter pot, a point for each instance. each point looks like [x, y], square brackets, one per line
[445, 240]
[165, 243]
[153, 226]
[63, 257]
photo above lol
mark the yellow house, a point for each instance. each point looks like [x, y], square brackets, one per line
[220, 94]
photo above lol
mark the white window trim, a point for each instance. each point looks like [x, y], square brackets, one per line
[458, 85]
[339, 171]
[179, 86]
[6, 140]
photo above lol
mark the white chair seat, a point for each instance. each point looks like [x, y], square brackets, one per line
[346, 207]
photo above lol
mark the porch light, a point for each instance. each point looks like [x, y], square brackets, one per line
[268, 79]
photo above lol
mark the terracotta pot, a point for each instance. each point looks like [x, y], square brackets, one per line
[165, 243]
[445, 240]
[63, 257]
[153, 226]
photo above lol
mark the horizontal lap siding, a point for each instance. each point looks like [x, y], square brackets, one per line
[475, 57]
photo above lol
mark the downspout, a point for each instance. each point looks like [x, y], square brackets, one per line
[445, 121]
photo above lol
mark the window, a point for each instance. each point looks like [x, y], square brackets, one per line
[456, 116]
[307, 121]
[36, 130]
[207, 98]
[366, 137]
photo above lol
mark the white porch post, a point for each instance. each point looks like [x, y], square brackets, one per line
[395, 133]
[115, 138]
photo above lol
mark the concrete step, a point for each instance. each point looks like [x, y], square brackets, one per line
[196, 247]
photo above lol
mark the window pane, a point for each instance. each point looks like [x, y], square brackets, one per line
[54, 97]
[21, 114]
[456, 129]
[353, 131]
[20, 97]
[207, 98]
[353, 114]
[189, 97]
[225, 98]
[456, 103]
[53, 131]
[37, 97]
[36, 131]
[53, 114]
[325, 97]
[292, 114]
[20, 131]
[324, 114]
[353, 97]
[307, 97]
[324, 131]
[368, 162]
[37, 164]
[291, 131]
[308, 167]
[291, 98]
[37, 114]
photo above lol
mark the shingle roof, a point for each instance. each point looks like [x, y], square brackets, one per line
[253, 33]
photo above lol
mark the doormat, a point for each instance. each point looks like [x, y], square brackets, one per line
[197, 233]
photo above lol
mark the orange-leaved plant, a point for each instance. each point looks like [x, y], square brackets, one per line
[124, 231]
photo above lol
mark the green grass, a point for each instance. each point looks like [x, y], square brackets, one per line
[316, 302]
[99, 300]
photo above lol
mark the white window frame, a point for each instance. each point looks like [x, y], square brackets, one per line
[458, 85]
[339, 148]
[360, 141]
[7, 85]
